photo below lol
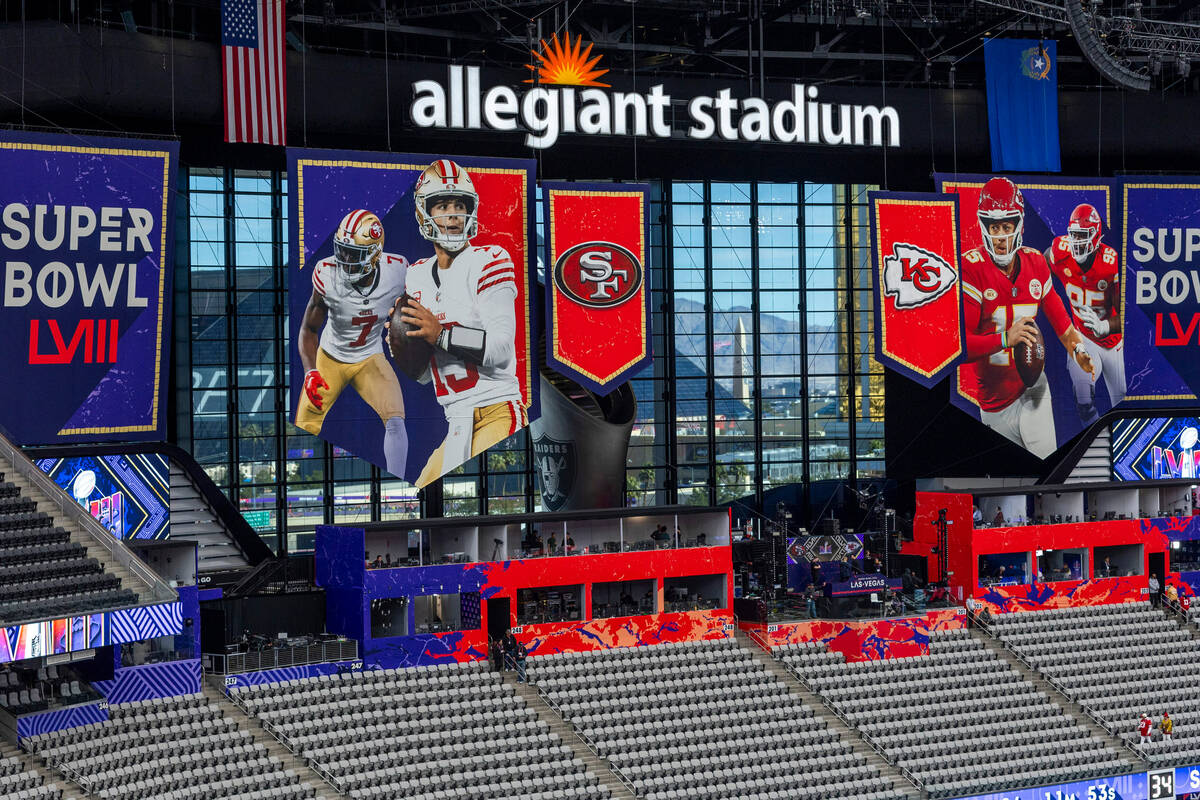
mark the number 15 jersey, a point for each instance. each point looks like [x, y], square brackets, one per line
[478, 290]
[357, 313]
[992, 302]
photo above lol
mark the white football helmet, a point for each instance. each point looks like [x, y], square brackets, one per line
[441, 180]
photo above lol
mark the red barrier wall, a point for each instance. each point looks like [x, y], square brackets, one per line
[863, 641]
[602, 634]
[967, 544]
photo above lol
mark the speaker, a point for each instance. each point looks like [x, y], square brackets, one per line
[580, 443]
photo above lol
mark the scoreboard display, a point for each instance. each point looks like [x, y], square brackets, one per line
[1169, 783]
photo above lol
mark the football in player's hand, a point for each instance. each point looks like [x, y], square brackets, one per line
[410, 353]
[1030, 360]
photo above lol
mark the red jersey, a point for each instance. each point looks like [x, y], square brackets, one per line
[1145, 725]
[1097, 286]
[992, 302]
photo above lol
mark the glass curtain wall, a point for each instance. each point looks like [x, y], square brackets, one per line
[763, 372]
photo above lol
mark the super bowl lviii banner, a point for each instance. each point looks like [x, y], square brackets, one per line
[597, 301]
[1162, 292]
[410, 305]
[86, 243]
[1041, 306]
[918, 305]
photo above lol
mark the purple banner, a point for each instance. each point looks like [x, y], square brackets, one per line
[86, 236]
[1162, 288]
[449, 238]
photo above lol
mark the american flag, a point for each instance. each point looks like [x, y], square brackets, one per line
[254, 71]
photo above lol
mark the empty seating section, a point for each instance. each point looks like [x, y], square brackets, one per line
[453, 730]
[18, 782]
[43, 574]
[178, 748]
[703, 720]
[959, 720]
[1118, 661]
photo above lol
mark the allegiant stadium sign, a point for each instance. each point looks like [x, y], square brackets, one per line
[546, 112]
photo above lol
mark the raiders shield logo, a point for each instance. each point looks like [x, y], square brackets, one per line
[554, 462]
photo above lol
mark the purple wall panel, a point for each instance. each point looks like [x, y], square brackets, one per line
[63, 718]
[152, 680]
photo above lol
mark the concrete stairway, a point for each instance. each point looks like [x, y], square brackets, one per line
[193, 519]
[44, 504]
[274, 747]
[1059, 698]
[596, 765]
[69, 790]
[850, 735]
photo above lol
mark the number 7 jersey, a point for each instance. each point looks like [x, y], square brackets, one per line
[357, 314]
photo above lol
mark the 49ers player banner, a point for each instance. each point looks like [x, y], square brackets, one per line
[409, 297]
[917, 296]
[597, 301]
[1041, 306]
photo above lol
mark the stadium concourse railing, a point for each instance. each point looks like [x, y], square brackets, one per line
[157, 590]
[983, 625]
[283, 739]
[276, 657]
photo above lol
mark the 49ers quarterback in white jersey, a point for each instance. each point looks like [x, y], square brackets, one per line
[479, 291]
[357, 313]
[461, 301]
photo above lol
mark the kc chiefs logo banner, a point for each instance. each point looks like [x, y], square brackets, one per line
[597, 302]
[918, 319]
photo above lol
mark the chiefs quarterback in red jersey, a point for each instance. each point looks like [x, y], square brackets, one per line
[1088, 271]
[1004, 287]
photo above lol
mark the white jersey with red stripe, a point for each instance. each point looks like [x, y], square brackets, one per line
[354, 327]
[480, 284]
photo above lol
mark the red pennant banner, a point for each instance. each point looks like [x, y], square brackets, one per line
[918, 300]
[597, 301]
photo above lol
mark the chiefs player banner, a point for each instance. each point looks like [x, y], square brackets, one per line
[914, 239]
[87, 237]
[1053, 257]
[1161, 261]
[409, 300]
[597, 301]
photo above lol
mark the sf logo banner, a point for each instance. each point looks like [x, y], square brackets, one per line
[597, 315]
[598, 274]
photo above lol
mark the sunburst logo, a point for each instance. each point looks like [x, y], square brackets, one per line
[566, 63]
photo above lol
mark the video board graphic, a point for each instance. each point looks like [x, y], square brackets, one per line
[1155, 448]
[130, 495]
